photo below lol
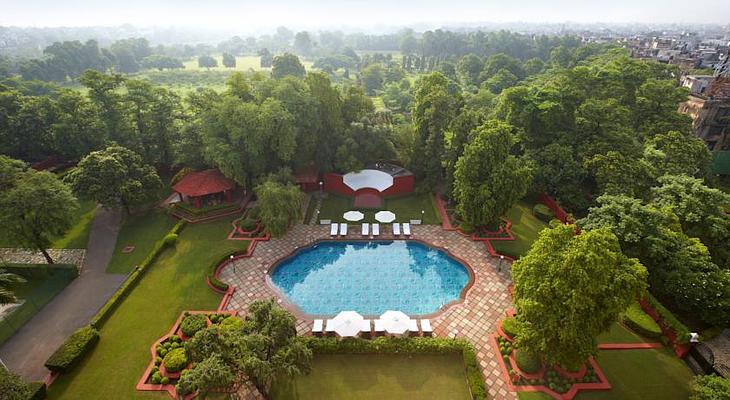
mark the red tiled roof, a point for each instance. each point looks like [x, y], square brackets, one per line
[202, 183]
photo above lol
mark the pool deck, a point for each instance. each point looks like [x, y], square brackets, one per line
[474, 319]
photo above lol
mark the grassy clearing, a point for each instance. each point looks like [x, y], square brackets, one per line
[621, 334]
[379, 376]
[141, 231]
[405, 208]
[525, 227]
[243, 63]
[76, 237]
[173, 284]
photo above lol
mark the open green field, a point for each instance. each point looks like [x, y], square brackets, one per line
[172, 284]
[76, 237]
[379, 376]
[621, 334]
[243, 63]
[525, 227]
[141, 231]
[650, 374]
[405, 208]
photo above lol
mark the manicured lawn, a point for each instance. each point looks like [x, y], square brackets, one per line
[525, 227]
[379, 376]
[141, 231]
[173, 284]
[405, 208]
[76, 237]
[621, 334]
[652, 374]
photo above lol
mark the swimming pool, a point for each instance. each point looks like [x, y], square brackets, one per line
[370, 277]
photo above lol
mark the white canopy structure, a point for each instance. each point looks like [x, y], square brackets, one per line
[395, 322]
[384, 216]
[368, 178]
[353, 216]
[346, 324]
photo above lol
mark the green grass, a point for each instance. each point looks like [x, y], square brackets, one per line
[141, 231]
[525, 227]
[379, 376]
[378, 103]
[173, 284]
[651, 374]
[621, 334]
[405, 208]
[243, 63]
[76, 237]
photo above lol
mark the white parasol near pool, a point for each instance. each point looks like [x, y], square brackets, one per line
[384, 216]
[395, 322]
[346, 324]
[353, 216]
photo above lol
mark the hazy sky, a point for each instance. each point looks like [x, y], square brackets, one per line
[359, 13]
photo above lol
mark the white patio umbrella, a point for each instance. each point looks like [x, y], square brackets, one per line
[346, 323]
[395, 322]
[384, 216]
[353, 216]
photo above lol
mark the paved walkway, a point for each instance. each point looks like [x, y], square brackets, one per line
[474, 319]
[27, 350]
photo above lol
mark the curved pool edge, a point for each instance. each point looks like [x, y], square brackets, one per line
[283, 298]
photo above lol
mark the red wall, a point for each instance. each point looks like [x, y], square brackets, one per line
[555, 208]
[333, 183]
[401, 185]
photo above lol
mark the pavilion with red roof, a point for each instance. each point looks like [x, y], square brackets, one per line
[210, 184]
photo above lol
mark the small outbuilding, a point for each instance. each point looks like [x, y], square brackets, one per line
[205, 187]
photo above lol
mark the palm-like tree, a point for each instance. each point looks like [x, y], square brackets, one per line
[6, 279]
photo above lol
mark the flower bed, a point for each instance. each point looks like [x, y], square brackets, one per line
[169, 358]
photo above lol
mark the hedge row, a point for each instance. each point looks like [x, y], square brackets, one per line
[407, 345]
[73, 349]
[131, 281]
[37, 390]
[217, 283]
[640, 322]
[668, 319]
[37, 270]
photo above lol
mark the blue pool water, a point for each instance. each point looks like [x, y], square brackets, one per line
[370, 278]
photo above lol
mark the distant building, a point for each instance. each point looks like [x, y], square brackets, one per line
[696, 83]
[710, 113]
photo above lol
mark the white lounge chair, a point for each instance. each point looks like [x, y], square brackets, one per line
[334, 229]
[325, 221]
[376, 229]
[379, 328]
[426, 327]
[396, 229]
[330, 328]
[413, 327]
[366, 328]
[317, 328]
[343, 229]
[406, 229]
[365, 229]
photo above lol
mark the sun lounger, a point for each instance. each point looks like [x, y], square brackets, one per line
[330, 329]
[396, 229]
[406, 229]
[379, 328]
[317, 328]
[333, 229]
[413, 327]
[426, 327]
[366, 328]
[376, 229]
[325, 221]
[343, 229]
[365, 229]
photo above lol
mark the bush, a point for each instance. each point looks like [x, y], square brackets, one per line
[175, 360]
[192, 323]
[543, 212]
[640, 322]
[669, 320]
[528, 362]
[37, 390]
[710, 387]
[214, 265]
[511, 326]
[254, 213]
[73, 349]
[170, 239]
[12, 386]
[232, 322]
[247, 225]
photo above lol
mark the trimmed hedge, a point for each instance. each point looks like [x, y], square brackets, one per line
[511, 326]
[543, 212]
[669, 320]
[407, 345]
[37, 390]
[527, 361]
[132, 279]
[640, 322]
[218, 284]
[73, 349]
[192, 323]
[175, 360]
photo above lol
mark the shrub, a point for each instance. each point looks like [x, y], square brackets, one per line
[528, 362]
[170, 239]
[175, 360]
[232, 323]
[542, 212]
[156, 378]
[37, 390]
[247, 225]
[640, 322]
[73, 349]
[254, 213]
[510, 326]
[710, 387]
[165, 380]
[192, 323]
[12, 386]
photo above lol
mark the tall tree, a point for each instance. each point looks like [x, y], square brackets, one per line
[372, 78]
[279, 205]
[207, 62]
[287, 64]
[115, 177]
[488, 180]
[229, 60]
[570, 288]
